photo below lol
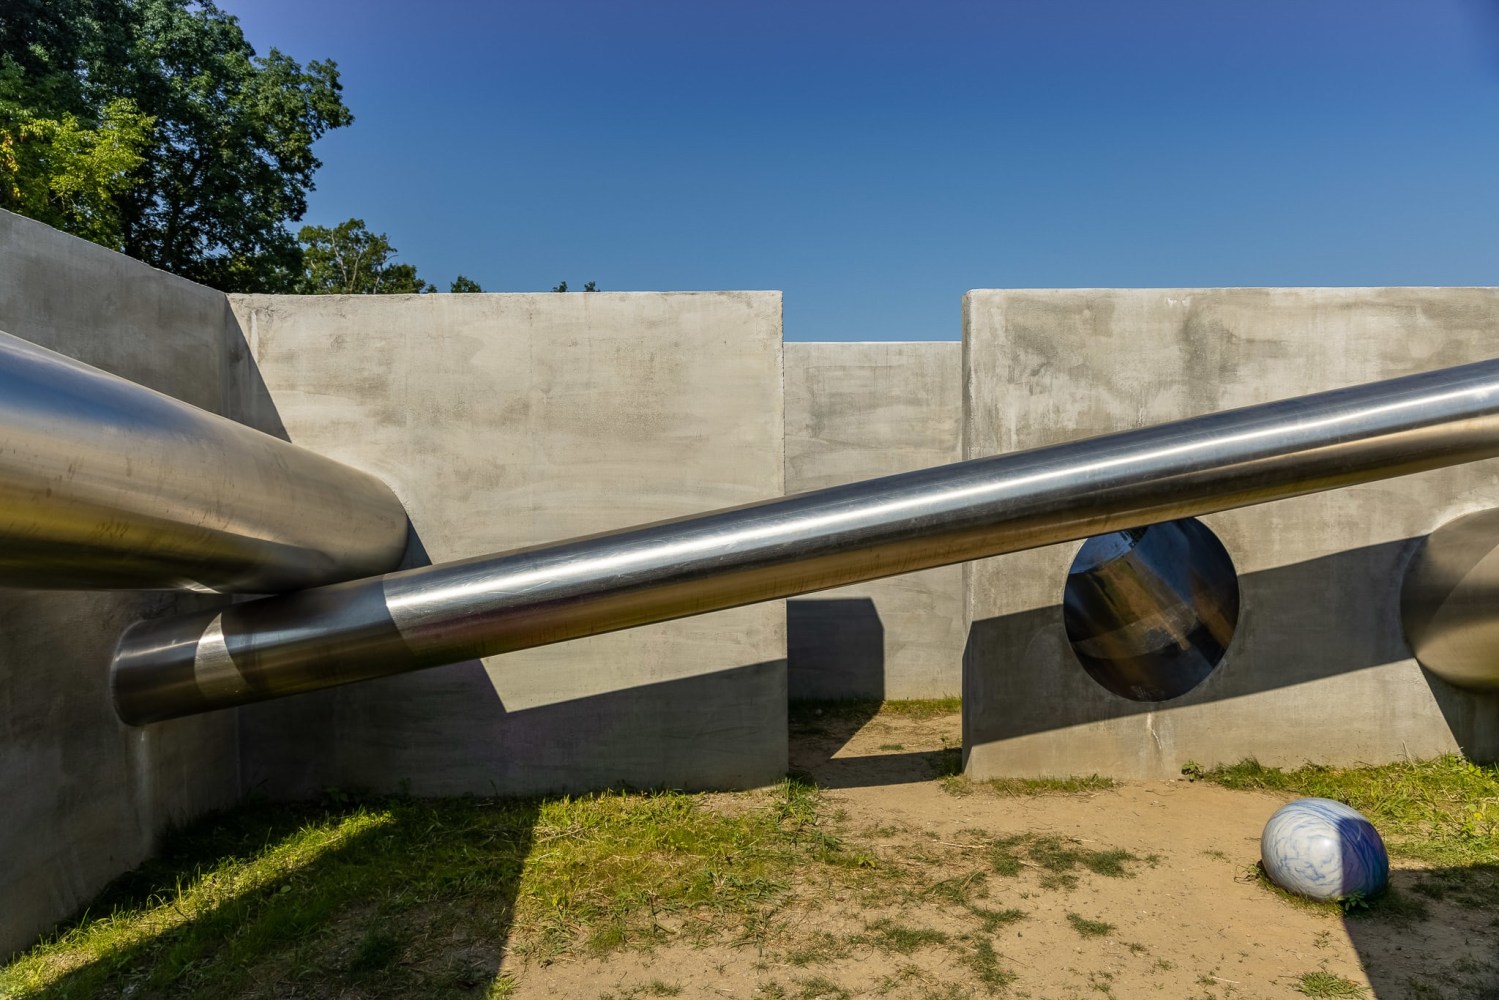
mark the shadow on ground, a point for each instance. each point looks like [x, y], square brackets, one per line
[819, 730]
[344, 896]
[1435, 938]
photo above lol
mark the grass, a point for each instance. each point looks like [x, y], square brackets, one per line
[395, 897]
[813, 712]
[1325, 984]
[984, 962]
[1443, 811]
[364, 897]
[960, 785]
[1057, 859]
[1089, 928]
[887, 935]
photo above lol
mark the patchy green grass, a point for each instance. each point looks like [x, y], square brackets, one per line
[1443, 811]
[983, 960]
[376, 898]
[1056, 859]
[1089, 928]
[887, 935]
[1326, 984]
[816, 712]
[960, 785]
[926, 708]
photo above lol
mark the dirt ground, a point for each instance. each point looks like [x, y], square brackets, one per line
[1186, 922]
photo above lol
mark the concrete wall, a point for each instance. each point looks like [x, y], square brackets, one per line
[1318, 668]
[510, 420]
[857, 411]
[85, 797]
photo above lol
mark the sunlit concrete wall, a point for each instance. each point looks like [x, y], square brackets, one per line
[510, 420]
[1318, 668]
[84, 796]
[857, 411]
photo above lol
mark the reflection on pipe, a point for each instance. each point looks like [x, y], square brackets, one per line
[1150, 611]
[779, 548]
[1449, 601]
[105, 484]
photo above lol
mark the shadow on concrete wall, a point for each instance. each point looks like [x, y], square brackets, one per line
[447, 732]
[835, 650]
[1357, 628]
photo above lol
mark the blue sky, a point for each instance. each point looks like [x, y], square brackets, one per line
[875, 160]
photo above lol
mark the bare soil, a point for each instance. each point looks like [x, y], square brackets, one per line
[1188, 921]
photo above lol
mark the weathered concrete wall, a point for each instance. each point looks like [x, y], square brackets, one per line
[1318, 668]
[510, 420]
[85, 797]
[857, 411]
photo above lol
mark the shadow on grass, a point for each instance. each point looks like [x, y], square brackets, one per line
[390, 898]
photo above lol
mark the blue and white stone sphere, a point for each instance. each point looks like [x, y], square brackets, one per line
[1324, 850]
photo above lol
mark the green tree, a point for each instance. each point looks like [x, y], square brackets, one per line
[68, 175]
[227, 158]
[464, 284]
[561, 286]
[348, 259]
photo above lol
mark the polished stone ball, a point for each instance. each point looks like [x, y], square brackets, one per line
[1324, 850]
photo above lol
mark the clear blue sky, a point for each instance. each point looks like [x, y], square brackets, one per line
[874, 160]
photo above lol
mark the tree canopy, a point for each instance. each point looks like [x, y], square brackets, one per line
[153, 127]
[348, 259]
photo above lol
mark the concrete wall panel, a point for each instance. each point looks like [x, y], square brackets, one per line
[857, 411]
[1318, 669]
[85, 797]
[511, 420]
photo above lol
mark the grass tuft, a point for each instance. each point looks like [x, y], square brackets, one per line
[887, 935]
[984, 961]
[1326, 984]
[1089, 928]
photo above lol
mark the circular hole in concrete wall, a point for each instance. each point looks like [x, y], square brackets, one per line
[1150, 611]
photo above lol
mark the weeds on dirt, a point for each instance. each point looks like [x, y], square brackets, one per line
[1089, 928]
[1326, 984]
[984, 961]
[1057, 859]
[957, 784]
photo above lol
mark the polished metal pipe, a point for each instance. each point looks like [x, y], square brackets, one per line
[105, 484]
[778, 548]
[1449, 602]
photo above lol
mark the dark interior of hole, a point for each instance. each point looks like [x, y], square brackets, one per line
[1150, 611]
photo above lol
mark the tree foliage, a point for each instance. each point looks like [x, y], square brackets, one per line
[152, 126]
[463, 283]
[348, 259]
[590, 286]
[62, 172]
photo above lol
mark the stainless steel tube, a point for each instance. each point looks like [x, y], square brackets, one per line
[1449, 602]
[477, 607]
[105, 484]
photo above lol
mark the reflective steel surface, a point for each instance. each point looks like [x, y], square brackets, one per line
[778, 548]
[105, 484]
[1449, 601]
[1151, 611]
